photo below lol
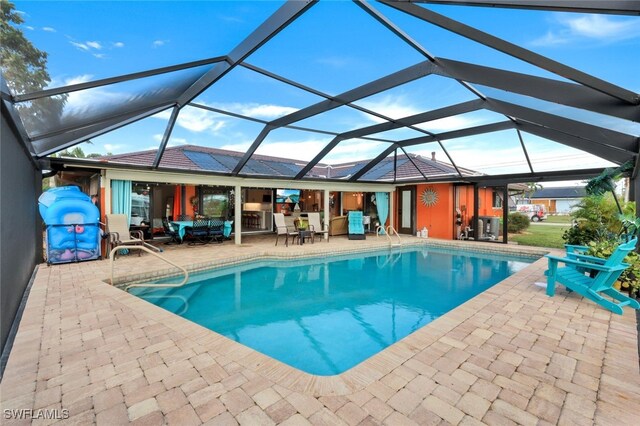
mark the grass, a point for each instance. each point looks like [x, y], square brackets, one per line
[541, 236]
[558, 219]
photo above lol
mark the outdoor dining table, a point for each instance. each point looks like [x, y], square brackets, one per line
[182, 226]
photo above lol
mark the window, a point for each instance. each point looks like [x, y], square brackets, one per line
[215, 202]
[497, 200]
[140, 202]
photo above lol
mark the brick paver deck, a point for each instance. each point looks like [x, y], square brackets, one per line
[511, 355]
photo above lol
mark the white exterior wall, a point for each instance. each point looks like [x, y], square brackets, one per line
[567, 205]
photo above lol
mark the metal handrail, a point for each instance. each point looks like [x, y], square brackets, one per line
[391, 230]
[378, 229]
[143, 248]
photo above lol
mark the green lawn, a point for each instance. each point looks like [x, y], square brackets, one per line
[558, 219]
[541, 236]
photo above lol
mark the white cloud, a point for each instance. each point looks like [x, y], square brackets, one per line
[29, 27]
[92, 101]
[354, 150]
[100, 55]
[49, 29]
[78, 79]
[80, 46]
[263, 111]
[114, 148]
[199, 120]
[196, 120]
[448, 123]
[390, 106]
[159, 43]
[94, 44]
[118, 44]
[581, 28]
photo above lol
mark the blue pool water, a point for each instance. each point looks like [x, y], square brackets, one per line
[325, 315]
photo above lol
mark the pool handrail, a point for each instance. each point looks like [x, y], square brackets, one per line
[390, 230]
[143, 248]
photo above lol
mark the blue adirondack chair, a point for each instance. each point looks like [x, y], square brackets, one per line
[606, 271]
[356, 226]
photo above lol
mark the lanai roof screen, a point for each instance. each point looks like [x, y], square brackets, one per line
[516, 89]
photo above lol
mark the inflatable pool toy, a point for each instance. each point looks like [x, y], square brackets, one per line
[73, 232]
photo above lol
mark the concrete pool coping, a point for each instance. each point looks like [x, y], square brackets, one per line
[510, 353]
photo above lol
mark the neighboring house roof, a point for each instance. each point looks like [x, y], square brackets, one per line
[560, 192]
[192, 157]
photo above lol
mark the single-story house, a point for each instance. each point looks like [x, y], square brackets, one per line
[187, 184]
[560, 200]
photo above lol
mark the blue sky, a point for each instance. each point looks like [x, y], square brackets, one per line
[335, 46]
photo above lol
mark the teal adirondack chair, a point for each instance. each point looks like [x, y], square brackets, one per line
[607, 272]
[356, 226]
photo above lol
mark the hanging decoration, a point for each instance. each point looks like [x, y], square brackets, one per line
[429, 197]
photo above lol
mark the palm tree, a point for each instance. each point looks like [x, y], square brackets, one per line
[532, 187]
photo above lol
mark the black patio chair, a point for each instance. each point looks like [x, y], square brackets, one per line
[183, 218]
[199, 232]
[171, 232]
[216, 230]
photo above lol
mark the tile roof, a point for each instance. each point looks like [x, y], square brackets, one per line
[192, 157]
[560, 192]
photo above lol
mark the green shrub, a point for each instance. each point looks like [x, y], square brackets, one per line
[582, 233]
[630, 277]
[517, 222]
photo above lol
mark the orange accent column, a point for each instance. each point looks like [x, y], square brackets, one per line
[439, 218]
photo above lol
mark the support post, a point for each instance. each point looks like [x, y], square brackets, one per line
[634, 192]
[474, 223]
[326, 213]
[505, 214]
[238, 214]
[106, 181]
[391, 210]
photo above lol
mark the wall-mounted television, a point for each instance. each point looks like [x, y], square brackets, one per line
[287, 196]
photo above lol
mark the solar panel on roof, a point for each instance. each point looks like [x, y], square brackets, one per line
[285, 169]
[205, 161]
[228, 161]
[257, 167]
[347, 171]
[379, 170]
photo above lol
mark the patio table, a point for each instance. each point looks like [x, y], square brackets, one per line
[182, 226]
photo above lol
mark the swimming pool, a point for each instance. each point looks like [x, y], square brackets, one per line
[326, 315]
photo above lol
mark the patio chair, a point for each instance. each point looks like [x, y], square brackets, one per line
[119, 233]
[199, 232]
[283, 229]
[216, 230]
[183, 218]
[316, 227]
[356, 226]
[171, 232]
[605, 274]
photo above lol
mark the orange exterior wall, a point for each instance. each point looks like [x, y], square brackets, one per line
[438, 219]
[485, 203]
[190, 191]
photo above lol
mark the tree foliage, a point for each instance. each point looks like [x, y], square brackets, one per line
[597, 219]
[517, 222]
[25, 70]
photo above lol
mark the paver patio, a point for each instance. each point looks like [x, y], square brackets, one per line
[510, 355]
